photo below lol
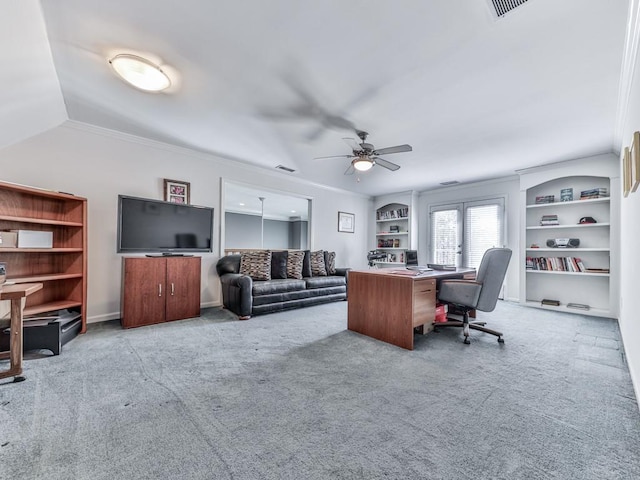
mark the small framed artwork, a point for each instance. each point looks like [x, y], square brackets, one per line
[635, 161]
[176, 191]
[346, 222]
[626, 172]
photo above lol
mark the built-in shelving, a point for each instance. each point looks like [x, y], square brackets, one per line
[561, 283]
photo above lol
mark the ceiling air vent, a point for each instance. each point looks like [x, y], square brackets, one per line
[451, 182]
[502, 7]
[286, 169]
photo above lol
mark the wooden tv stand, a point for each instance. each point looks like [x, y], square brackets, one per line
[159, 289]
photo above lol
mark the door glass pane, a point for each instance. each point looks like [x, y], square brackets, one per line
[445, 232]
[483, 230]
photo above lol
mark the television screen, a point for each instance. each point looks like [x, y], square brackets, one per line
[146, 225]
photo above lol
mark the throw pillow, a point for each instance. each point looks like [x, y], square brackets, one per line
[279, 264]
[256, 264]
[330, 262]
[306, 264]
[317, 264]
[294, 264]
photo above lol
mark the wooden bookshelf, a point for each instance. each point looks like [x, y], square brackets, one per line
[61, 269]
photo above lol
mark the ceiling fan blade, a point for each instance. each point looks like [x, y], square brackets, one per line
[386, 164]
[334, 156]
[396, 149]
[350, 170]
[353, 144]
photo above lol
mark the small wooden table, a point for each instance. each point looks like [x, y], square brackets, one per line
[15, 293]
[387, 304]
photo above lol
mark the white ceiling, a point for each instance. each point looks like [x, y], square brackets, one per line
[267, 82]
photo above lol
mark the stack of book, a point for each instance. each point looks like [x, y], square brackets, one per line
[549, 220]
[545, 199]
[594, 193]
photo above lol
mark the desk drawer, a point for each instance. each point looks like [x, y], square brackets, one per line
[424, 302]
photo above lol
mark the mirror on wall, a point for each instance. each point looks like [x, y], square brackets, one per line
[254, 217]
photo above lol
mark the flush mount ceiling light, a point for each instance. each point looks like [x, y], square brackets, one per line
[362, 164]
[140, 72]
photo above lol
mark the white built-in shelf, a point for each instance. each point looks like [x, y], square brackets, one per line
[392, 219]
[391, 248]
[560, 272]
[573, 202]
[598, 312]
[562, 250]
[387, 234]
[577, 225]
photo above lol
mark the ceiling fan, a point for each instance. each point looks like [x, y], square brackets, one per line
[365, 155]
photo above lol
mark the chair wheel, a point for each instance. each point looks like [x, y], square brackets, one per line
[18, 379]
[500, 340]
[467, 341]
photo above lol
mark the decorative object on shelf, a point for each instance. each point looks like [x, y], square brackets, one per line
[3, 274]
[176, 191]
[392, 214]
[542, 199]
[635, 161]
[534, 245]
[346, 222]
[394, 228]
[563, 242]
[549, 220]
[566, 195]
[584, 220]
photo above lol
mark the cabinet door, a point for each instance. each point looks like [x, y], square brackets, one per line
[183, 288]
[144, 291]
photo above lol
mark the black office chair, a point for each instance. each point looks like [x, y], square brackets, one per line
[479, 294]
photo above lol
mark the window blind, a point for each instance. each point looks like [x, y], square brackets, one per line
[483, 230]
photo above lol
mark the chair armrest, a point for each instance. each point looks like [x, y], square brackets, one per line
[460, 292]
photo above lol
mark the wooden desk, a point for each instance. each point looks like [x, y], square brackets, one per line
[15, 293]
[388, 306]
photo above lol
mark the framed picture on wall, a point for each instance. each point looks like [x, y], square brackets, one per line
[176, 191]
[346, 222]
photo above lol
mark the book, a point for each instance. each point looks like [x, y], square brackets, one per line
[550, 302]
[566, 195]
[545, 199]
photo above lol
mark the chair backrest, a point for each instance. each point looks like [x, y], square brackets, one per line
[491, 272]
[411, 257]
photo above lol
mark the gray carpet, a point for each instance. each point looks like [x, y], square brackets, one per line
[297, 396]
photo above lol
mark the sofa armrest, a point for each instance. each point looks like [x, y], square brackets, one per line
[343, 272]
[237, 294]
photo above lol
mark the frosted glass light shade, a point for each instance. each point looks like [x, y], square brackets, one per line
[362, 164]
[140, 72]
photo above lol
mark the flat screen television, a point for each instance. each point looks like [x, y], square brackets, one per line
[146, 225]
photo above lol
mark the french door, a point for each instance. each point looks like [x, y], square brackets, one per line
[460, 233]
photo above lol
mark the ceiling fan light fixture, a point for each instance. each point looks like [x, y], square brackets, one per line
[362, 164]
[140, 72]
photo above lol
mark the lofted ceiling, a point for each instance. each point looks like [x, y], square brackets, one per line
[281, 82]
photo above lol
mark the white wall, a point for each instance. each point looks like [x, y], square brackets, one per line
[100, 164]
[629, 318]
[509, 188]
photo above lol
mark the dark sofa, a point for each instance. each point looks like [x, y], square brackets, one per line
[245, 296]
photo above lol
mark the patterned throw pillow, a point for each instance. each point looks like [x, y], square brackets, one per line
[317, 264]
[256, 264]
[294, 264]
[330, 262]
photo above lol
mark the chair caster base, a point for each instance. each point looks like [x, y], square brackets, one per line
[500, 340]
[19, 378]
[467, 341]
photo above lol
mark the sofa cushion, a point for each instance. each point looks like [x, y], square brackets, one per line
[306, 264]
[330, 262]
[322, 282]
[294, 263]
[279, 264]
[317, 264]
[277, 286]
[256, 265]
